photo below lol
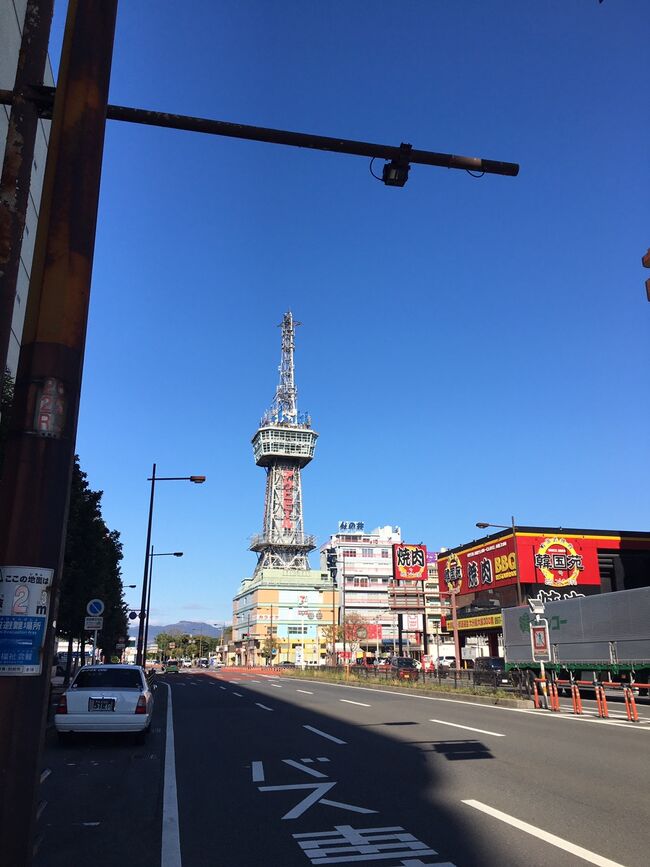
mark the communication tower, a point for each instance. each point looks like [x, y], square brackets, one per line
[283, 445]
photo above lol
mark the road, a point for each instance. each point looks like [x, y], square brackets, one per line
[283, 771]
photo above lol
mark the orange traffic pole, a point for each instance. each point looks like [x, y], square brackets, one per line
[577, 701]
[535, 694]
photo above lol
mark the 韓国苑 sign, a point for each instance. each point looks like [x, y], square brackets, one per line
[24, 605]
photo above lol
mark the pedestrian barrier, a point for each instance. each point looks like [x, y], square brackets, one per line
[630, 704]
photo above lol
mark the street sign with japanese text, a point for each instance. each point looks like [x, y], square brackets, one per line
[92, 623]
[24, 605]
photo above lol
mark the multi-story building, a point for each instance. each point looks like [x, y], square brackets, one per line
[12, 17]
[364, 572]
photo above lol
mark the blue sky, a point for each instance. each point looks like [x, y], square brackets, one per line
[470, 348]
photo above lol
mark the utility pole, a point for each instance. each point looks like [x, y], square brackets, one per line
[34, 492]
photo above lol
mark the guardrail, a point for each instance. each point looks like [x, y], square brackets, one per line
[546, 695]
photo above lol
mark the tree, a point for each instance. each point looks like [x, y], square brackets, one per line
[355, 631]
[91, 569]
[269, 648]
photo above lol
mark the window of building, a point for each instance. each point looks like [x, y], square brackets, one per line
[349, 552]
[360, 582]
[385, 553]
[367, 552]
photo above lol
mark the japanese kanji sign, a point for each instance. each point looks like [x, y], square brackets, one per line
[24, 603]
[410, 562]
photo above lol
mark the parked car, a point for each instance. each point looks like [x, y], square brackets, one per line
[446, 662]
[490, 670]
[186, 663]
[404, 668]
[171, 666]
[287, 664]
[106, 698]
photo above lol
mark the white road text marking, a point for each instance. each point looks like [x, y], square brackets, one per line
[324, 735]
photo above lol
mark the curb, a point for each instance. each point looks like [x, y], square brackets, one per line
[519, 703]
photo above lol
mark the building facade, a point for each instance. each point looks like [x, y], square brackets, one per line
[12, 17]
[546, 563]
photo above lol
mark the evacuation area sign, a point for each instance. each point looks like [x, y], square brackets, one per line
[24, 603]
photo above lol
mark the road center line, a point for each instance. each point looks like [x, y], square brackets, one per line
[170, 849]
[443, 722]
[324, 735]
[263, 706]
[306, 691]
[360, 703]
[585, 854]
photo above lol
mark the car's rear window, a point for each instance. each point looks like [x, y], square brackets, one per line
[405, 663]
[108, 678]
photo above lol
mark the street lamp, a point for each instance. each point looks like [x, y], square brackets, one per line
[482, 525]
[197, 480]
[145, 616]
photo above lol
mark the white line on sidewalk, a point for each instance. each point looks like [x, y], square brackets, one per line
[306, 691]
[263, 706]
[324, 735]
[170, 848]
[360, 703]
[585, 854]
[443, 722]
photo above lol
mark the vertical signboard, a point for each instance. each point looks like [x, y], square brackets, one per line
[409, 562]
[24, 604]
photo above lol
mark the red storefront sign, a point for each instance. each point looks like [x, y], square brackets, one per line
[410, 562]
[553, 560]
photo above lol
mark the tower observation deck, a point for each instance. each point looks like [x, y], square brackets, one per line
[283, 445]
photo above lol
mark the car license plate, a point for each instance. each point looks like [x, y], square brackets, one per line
[101, 704]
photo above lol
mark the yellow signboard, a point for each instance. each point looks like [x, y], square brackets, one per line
[486, 621]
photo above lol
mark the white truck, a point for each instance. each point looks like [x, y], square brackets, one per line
[604, 637]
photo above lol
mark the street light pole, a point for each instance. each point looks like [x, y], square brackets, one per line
[482, 525]
[198, 480]
[145, 615]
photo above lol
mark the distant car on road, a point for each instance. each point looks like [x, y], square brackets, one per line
[105, 698]
[171, 666]
[186, 663]
[404, 668]
[287, 664]
[490, 670]
[446, 662]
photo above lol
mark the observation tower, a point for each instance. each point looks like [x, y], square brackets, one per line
[283, 445]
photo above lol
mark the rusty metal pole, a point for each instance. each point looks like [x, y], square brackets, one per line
[34, 492]
[19, 157]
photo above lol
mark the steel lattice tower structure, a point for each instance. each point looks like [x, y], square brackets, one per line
[283, 445]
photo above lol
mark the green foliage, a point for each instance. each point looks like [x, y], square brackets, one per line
[91, 567]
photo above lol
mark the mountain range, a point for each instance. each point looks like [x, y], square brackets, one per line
[183, 627]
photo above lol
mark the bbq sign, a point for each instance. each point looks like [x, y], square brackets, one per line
[410, 562]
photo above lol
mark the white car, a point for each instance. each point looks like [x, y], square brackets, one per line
[105, 698]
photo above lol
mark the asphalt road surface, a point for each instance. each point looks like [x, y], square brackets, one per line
[246, 769]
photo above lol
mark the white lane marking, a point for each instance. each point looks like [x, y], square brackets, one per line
[585, 854]
[258, 772]
[310, 771]
[238, 694]
[170, 849]
[306, 691]
[324, 735]
[360, 703]
[222, 687]
[276, 685]
[263, 706]
[538, 713]
[255, 681]
[443, 722]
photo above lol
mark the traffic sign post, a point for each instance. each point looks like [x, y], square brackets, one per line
[95, 608]
[94, 624]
